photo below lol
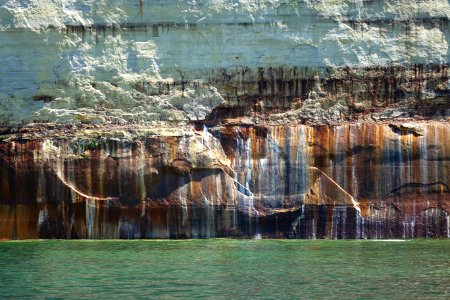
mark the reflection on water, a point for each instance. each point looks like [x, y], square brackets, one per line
[225, 269]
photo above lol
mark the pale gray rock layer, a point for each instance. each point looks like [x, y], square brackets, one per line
[144, 61]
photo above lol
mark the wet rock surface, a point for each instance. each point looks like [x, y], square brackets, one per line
[355, 180]
[193, 119]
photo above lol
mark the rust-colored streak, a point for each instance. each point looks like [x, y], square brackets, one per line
[141, 4]
[177, 186]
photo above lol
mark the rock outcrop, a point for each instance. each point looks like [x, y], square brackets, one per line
[347, 181]
[193, 119]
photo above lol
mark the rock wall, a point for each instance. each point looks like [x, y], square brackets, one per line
[217, 118]
[347, 181]
[147, 61]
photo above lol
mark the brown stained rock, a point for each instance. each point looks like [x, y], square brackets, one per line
[327, 174]
[181, 165]
[325, 191]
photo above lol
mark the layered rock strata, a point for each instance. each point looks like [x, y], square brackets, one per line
[345, 181]
[149, 61]
[194, 119]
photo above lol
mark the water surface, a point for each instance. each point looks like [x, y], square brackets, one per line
[271, 269]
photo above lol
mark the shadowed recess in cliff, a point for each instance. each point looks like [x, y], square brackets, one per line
[423, 188]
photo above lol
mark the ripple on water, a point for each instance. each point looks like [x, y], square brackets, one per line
[223, 268]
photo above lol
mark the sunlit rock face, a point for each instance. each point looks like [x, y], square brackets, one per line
[147, 61]
[213, 118]
[346, 181]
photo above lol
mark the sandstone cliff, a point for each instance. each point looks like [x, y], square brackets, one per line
[160, 119]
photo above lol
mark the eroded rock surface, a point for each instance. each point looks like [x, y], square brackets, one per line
[186, 119]
[118, 62]
[346, 181]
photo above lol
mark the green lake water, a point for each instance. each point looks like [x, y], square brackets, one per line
[225, 269]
